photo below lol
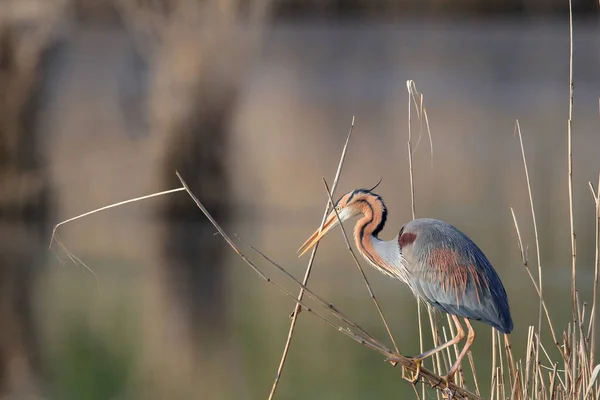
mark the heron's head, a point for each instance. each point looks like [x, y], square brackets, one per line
[349, 205]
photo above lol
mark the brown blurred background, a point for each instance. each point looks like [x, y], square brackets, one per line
[251, 101]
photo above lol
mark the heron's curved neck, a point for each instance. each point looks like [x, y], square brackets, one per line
[369, 226]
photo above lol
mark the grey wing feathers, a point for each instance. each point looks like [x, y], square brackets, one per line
[451, 273]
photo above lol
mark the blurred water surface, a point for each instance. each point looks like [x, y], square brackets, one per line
[477, 78]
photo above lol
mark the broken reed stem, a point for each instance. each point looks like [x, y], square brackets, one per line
[363, 337]
[570, 181]
[362, 273]
[311, 260]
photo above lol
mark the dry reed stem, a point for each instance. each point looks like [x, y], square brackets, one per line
[513, 390]
[456, 349]
[494, 361]
[364, 338]
[510, 363]
[412, 208]
[362, 273]
[311, 260]
[580, 349]
[474, 372]
[528, 355]
[410, 162]
[592, 326]
[501, 365]
[436, 341]
[422, 114]
[537, 243]
[528, 270]
[553, 379]
[570, 184]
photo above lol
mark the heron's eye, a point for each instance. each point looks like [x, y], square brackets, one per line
[338, 208]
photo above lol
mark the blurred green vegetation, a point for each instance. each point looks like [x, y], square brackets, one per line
[91, 363]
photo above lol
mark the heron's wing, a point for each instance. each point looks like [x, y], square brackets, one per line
[456, 277]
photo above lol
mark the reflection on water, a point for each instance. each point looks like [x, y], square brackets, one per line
[289, 130]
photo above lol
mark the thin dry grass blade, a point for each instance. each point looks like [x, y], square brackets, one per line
[109, 207]
[364, 277]
[56, 239]
[311, 260]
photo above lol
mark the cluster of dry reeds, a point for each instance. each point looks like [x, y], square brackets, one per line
[560, 365]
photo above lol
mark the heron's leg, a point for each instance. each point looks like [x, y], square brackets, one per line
[463, 353]
[460, 335]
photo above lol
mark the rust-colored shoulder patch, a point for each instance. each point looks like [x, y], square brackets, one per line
[406, 238]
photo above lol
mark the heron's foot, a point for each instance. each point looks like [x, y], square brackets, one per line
[417, 374]
[446, 392]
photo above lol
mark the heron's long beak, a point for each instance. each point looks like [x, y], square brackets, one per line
[331, 222]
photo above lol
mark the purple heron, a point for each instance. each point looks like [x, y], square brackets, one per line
[439, 263]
